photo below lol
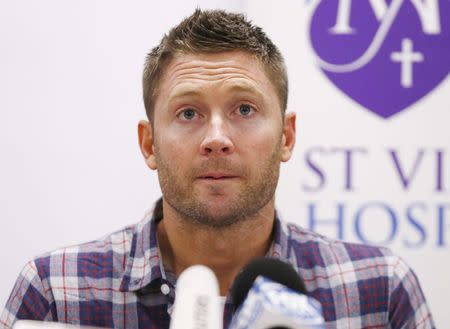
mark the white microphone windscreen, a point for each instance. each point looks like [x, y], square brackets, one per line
[197, 302]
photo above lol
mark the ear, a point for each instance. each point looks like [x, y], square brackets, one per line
[288, 139]
[146, 143]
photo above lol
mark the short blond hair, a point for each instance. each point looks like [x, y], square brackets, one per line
[213, 31]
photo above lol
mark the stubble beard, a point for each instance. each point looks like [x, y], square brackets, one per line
[257, 192]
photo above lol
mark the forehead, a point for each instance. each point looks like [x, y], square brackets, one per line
[193, 73]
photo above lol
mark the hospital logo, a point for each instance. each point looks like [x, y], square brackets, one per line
[384, 54]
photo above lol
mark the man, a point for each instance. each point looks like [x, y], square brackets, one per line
[215, 92]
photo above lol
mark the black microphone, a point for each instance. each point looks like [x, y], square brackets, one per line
[269, 294]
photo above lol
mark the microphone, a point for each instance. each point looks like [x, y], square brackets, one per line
[197, 304]
[269, 294]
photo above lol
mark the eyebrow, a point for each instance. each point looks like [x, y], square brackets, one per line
[184, 92]
[245, 88]
[237, 87]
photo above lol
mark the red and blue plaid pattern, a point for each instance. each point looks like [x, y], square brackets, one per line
[119, 282]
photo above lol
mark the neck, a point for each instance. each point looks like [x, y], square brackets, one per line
[184, 243]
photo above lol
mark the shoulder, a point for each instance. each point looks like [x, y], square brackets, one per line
[67, 274]
[97, 258]
[350, 276]
[323, 251]
[327, 264]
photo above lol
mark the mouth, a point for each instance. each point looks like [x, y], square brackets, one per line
[217, 176]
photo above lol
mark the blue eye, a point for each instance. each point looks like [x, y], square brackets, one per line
[245, 110]
[188, 114]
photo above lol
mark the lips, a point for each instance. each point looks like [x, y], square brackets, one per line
[217, 176]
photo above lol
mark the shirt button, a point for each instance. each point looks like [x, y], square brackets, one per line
[165, 289]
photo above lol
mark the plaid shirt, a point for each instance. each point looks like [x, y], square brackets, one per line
[119, 282]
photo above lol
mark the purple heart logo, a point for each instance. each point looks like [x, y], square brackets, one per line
[384, 54]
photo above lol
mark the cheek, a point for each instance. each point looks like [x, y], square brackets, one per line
[174, 148]
[260, 142]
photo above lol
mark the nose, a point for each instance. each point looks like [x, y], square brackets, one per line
[216, 140]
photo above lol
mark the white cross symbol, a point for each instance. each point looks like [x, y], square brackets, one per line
[406, 57]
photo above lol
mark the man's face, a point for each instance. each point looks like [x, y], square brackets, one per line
[218, 137]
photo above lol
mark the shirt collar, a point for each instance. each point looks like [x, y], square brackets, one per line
[280, 244]
[144, 261]
[144, 266]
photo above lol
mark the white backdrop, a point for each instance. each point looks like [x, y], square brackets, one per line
[71, 170]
